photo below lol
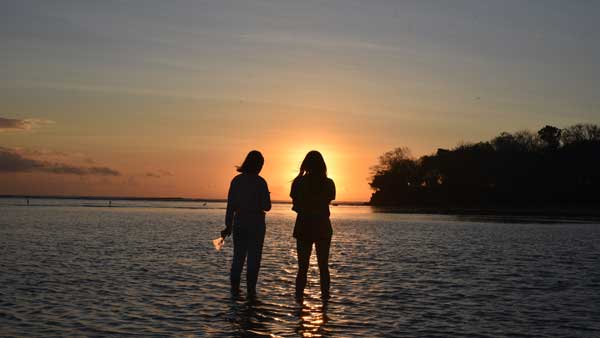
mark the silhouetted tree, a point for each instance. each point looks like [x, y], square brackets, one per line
[551, 136]
[580, 133]
[550, 167]
[395, 173]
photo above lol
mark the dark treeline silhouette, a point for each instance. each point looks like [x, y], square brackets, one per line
[553, 167]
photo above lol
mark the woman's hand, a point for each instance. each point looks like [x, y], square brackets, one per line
[226, 232]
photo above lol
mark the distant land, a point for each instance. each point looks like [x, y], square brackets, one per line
[115, 198]
[553, 171]
[554, 213]
[574, 213]
[155, 199]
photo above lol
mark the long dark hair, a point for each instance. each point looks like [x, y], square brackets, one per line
[253, 163]
[313, 165]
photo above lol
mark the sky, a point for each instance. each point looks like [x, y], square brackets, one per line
[164, 98]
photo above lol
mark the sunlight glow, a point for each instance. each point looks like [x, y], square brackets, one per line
[293, 160]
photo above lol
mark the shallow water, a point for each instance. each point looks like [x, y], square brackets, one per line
[78, 268]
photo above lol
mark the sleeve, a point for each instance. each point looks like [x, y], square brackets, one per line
[230, 206]
[332, 190]
[265, 199]
[294, 190]
[294, 195]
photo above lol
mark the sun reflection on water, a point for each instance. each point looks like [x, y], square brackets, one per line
[313, 319]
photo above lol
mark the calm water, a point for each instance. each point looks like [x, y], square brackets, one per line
[77, 268]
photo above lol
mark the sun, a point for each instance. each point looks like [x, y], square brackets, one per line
[287, 155]
[294, 158]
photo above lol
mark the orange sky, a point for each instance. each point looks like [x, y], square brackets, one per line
[155, 98]
[192, 157]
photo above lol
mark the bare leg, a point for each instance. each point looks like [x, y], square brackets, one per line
[322, 247]
[303, 249]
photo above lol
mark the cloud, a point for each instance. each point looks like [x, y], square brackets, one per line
[166, 173]
[12, 161]
[12, 124]
[159, 173]
[7, 124]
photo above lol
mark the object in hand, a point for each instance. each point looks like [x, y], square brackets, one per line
[218, 243]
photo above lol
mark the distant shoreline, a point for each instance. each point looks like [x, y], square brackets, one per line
[550, 211]
[151, 199]
[526, 211]
[116, 198]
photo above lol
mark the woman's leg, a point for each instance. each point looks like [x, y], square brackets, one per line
[303, 249]
[322, 247]
[255, 246]
[240, 248]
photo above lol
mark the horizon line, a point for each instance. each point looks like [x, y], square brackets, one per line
[146, 198]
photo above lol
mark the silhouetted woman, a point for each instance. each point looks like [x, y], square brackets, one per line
[247, 202]
[311, 194]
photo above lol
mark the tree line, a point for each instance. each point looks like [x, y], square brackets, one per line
[553, 167]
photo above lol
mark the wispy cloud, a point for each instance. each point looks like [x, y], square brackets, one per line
[108, 88]
[13, 161]
[7, 124]
[159, 173]
[316, 42]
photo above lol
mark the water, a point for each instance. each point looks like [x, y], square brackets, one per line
[79, 268]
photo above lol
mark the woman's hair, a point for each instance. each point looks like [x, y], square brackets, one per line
[313, 164]
[253, 163]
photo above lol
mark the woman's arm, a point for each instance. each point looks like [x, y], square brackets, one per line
[294, 195]
[230, 213]
[331, 196]
[265, 198]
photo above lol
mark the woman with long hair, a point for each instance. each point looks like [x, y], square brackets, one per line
[247, 201]
[311, 193]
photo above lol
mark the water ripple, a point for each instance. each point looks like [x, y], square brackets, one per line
[72, 271]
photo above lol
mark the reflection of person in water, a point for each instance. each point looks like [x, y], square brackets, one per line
[249, 319]
[311, 194]
[247, 202]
